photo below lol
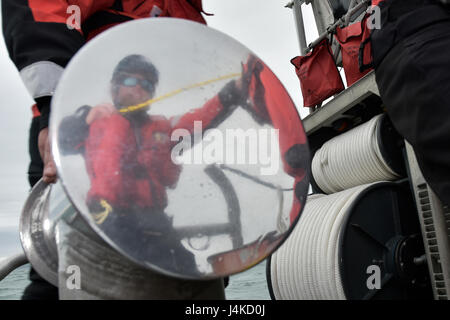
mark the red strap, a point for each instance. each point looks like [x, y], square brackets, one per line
[35, 110]
[376, 2]
[184, 10]
[350, 39]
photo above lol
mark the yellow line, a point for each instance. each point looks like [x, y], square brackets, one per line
[175, 92]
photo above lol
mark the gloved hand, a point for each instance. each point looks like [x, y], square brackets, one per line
[254, 91]
[100, 111]
[252, 68]
[235, 92]
[248, 91]
[230, 95]
[99, 209]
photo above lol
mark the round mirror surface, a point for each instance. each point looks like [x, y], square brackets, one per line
[180, 148]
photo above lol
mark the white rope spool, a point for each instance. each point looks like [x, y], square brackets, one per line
[351, 159]
[306, 266]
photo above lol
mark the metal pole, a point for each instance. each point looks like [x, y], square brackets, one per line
[296, 5]
[348, 17]
[336, 24]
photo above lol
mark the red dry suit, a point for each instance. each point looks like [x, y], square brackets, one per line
[114, 139]
[128, 158]
[41, 30]
[271, 104]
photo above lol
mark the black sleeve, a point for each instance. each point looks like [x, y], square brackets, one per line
[43, 104]
[229, 95]
[73, 131]
[29, 40]
[40, 44]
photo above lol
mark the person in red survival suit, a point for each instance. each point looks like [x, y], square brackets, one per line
[269, 103]
[128, 159]
[128, 156]
[41, 37]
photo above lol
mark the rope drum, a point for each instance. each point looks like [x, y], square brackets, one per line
[351, 159]
[360, 222]
[306, 267]
[341, 238]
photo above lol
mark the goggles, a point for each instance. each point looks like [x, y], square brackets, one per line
[130, 81]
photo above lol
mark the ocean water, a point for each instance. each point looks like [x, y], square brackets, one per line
[11, 288]
[248, 285]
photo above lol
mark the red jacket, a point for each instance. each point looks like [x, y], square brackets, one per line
[271, 104]
[129, 162]
[36, 30]
[111, 181]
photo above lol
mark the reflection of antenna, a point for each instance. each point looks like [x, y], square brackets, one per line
[233, 227]
[234, 210]
[281, 226]
[253, 178]
[175, 92]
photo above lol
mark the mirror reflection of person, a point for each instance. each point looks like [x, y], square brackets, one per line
[128, 158]
[269, 104]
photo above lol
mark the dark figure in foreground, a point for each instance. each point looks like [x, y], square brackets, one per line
[411, 60]
[40, 44]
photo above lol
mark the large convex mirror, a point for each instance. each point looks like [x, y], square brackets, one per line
[180, 148]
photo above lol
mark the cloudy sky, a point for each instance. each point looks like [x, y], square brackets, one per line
[265, 27]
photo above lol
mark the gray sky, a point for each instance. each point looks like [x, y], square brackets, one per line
[14, 121]
[265, 27]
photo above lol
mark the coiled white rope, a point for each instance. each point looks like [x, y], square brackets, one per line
[306, 266]
[351, 159]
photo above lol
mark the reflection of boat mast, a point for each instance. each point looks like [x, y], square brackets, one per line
[253, 178]
[282, 227]
[234, 210]
[233, 227]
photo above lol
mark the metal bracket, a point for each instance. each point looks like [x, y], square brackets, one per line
[341, 103]
[435, 222]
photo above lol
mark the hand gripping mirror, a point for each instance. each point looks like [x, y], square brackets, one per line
[180, 148]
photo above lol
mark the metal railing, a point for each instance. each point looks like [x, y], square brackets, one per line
[296, 5]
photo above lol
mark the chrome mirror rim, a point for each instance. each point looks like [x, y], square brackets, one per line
[37, 234]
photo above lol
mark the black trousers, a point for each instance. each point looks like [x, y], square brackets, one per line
[38, 289]
[414, 83]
